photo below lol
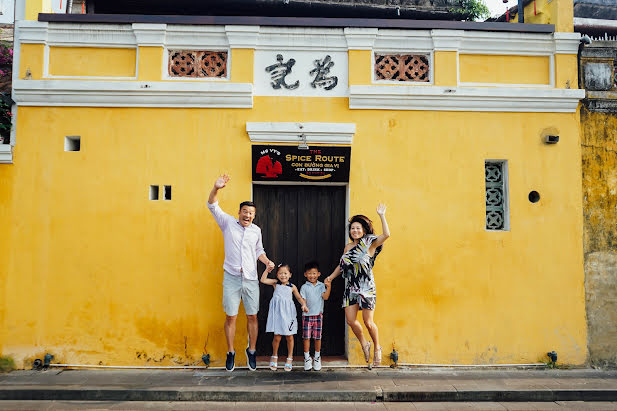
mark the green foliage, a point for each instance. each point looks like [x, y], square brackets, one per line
[6, 364]
[472, 9]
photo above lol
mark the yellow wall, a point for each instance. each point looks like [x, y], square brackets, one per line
[92, 62]
[557, 12]
[98, 273]
[477, 68]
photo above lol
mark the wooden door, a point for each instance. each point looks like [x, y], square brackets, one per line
[301, 223]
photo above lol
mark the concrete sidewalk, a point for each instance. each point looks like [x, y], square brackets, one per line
[334, 385]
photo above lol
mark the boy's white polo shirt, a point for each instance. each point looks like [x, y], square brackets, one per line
[313, 296]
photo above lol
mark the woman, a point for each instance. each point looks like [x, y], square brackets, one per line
[357, 269]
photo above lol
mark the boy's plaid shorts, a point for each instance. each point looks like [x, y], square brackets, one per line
[311, 326]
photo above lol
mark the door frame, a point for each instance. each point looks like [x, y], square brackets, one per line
[347, 196]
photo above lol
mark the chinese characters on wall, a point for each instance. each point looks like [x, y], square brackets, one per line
[320, 73]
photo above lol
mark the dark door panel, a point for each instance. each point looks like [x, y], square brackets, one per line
[301, 223]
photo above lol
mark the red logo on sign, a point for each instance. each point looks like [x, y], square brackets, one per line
[265, 166]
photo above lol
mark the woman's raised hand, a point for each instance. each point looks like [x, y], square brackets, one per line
[222, 181]
[381, 209]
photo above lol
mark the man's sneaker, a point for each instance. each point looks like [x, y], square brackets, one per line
[317, 364]
[251, 360]
[230, 363]
[308, 363]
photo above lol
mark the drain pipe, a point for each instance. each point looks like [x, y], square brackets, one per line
[521, 11]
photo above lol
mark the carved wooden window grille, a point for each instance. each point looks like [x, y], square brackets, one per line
[197, 63]
[402, 67]
[496, 195]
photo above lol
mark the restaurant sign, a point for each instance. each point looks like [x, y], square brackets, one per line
[289, 163]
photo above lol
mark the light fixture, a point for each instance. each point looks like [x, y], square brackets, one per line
[303, 145]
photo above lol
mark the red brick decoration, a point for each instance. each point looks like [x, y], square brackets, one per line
[197, 63]
[402, 67]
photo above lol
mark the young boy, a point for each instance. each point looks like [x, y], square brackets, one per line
[314, 293]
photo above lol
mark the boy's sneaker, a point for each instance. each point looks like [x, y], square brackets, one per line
[251, 360]
[308, 363]
[230, 363]
[317, 364]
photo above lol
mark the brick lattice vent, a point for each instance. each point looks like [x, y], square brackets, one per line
[197, 63]
[402, 67]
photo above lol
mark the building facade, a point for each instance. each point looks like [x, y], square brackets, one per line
[469, 132]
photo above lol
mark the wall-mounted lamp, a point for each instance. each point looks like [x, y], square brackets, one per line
[303, 145]
[551, 139]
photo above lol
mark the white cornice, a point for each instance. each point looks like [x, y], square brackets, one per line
[567, 43]
[132, 94]
[478, 42]
[314, 133]
[360, 38]
[465, 99]
[150, 35]
[301, 38]
[447, 40]
[242, 37]
[295, 38]
[32, 31]
[6, 154]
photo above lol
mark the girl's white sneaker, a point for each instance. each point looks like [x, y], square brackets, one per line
[308, 364]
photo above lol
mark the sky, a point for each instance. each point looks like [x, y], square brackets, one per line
[498, 7]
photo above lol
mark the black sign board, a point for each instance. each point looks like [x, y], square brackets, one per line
[289, 163]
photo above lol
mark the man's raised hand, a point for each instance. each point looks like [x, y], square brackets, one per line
[221, 181]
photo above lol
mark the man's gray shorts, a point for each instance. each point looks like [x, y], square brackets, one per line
[236, 288]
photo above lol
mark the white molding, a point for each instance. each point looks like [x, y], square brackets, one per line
[242, 37]
[360, 38]
[447, 40]
[522, 44]
[31, 31]
[404, 41]
[149, 35]
[294, 38]
[132, 94]
[6, 154]
[90, 35]
[301, 38]
[315, 133]
[465, 99]
[196, 37]
[567, 43]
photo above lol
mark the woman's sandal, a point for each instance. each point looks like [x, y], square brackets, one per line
[273, 364]
[377, 357]
[366, 349]
[288, 364]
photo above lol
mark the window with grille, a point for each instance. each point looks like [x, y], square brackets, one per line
[402, 67]
[197, 63]
[495, 180]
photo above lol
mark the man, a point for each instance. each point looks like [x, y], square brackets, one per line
[243, 247]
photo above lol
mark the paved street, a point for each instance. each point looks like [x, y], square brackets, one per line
[303, 406]
[360, 389]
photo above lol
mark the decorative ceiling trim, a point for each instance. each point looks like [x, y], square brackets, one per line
[294, 133]
[132, 94]
[544, 100]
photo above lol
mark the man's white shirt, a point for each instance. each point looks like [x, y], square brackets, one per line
[243, 246]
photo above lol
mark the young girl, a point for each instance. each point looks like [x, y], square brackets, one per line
[282, 318]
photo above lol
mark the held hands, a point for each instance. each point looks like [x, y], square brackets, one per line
[221, 181]
[305, 309]
[327, 282]
[381, 209]
[270, 266]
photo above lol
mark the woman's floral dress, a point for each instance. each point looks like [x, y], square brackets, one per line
[357, 268]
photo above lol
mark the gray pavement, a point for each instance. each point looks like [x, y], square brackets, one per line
[384, 386]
